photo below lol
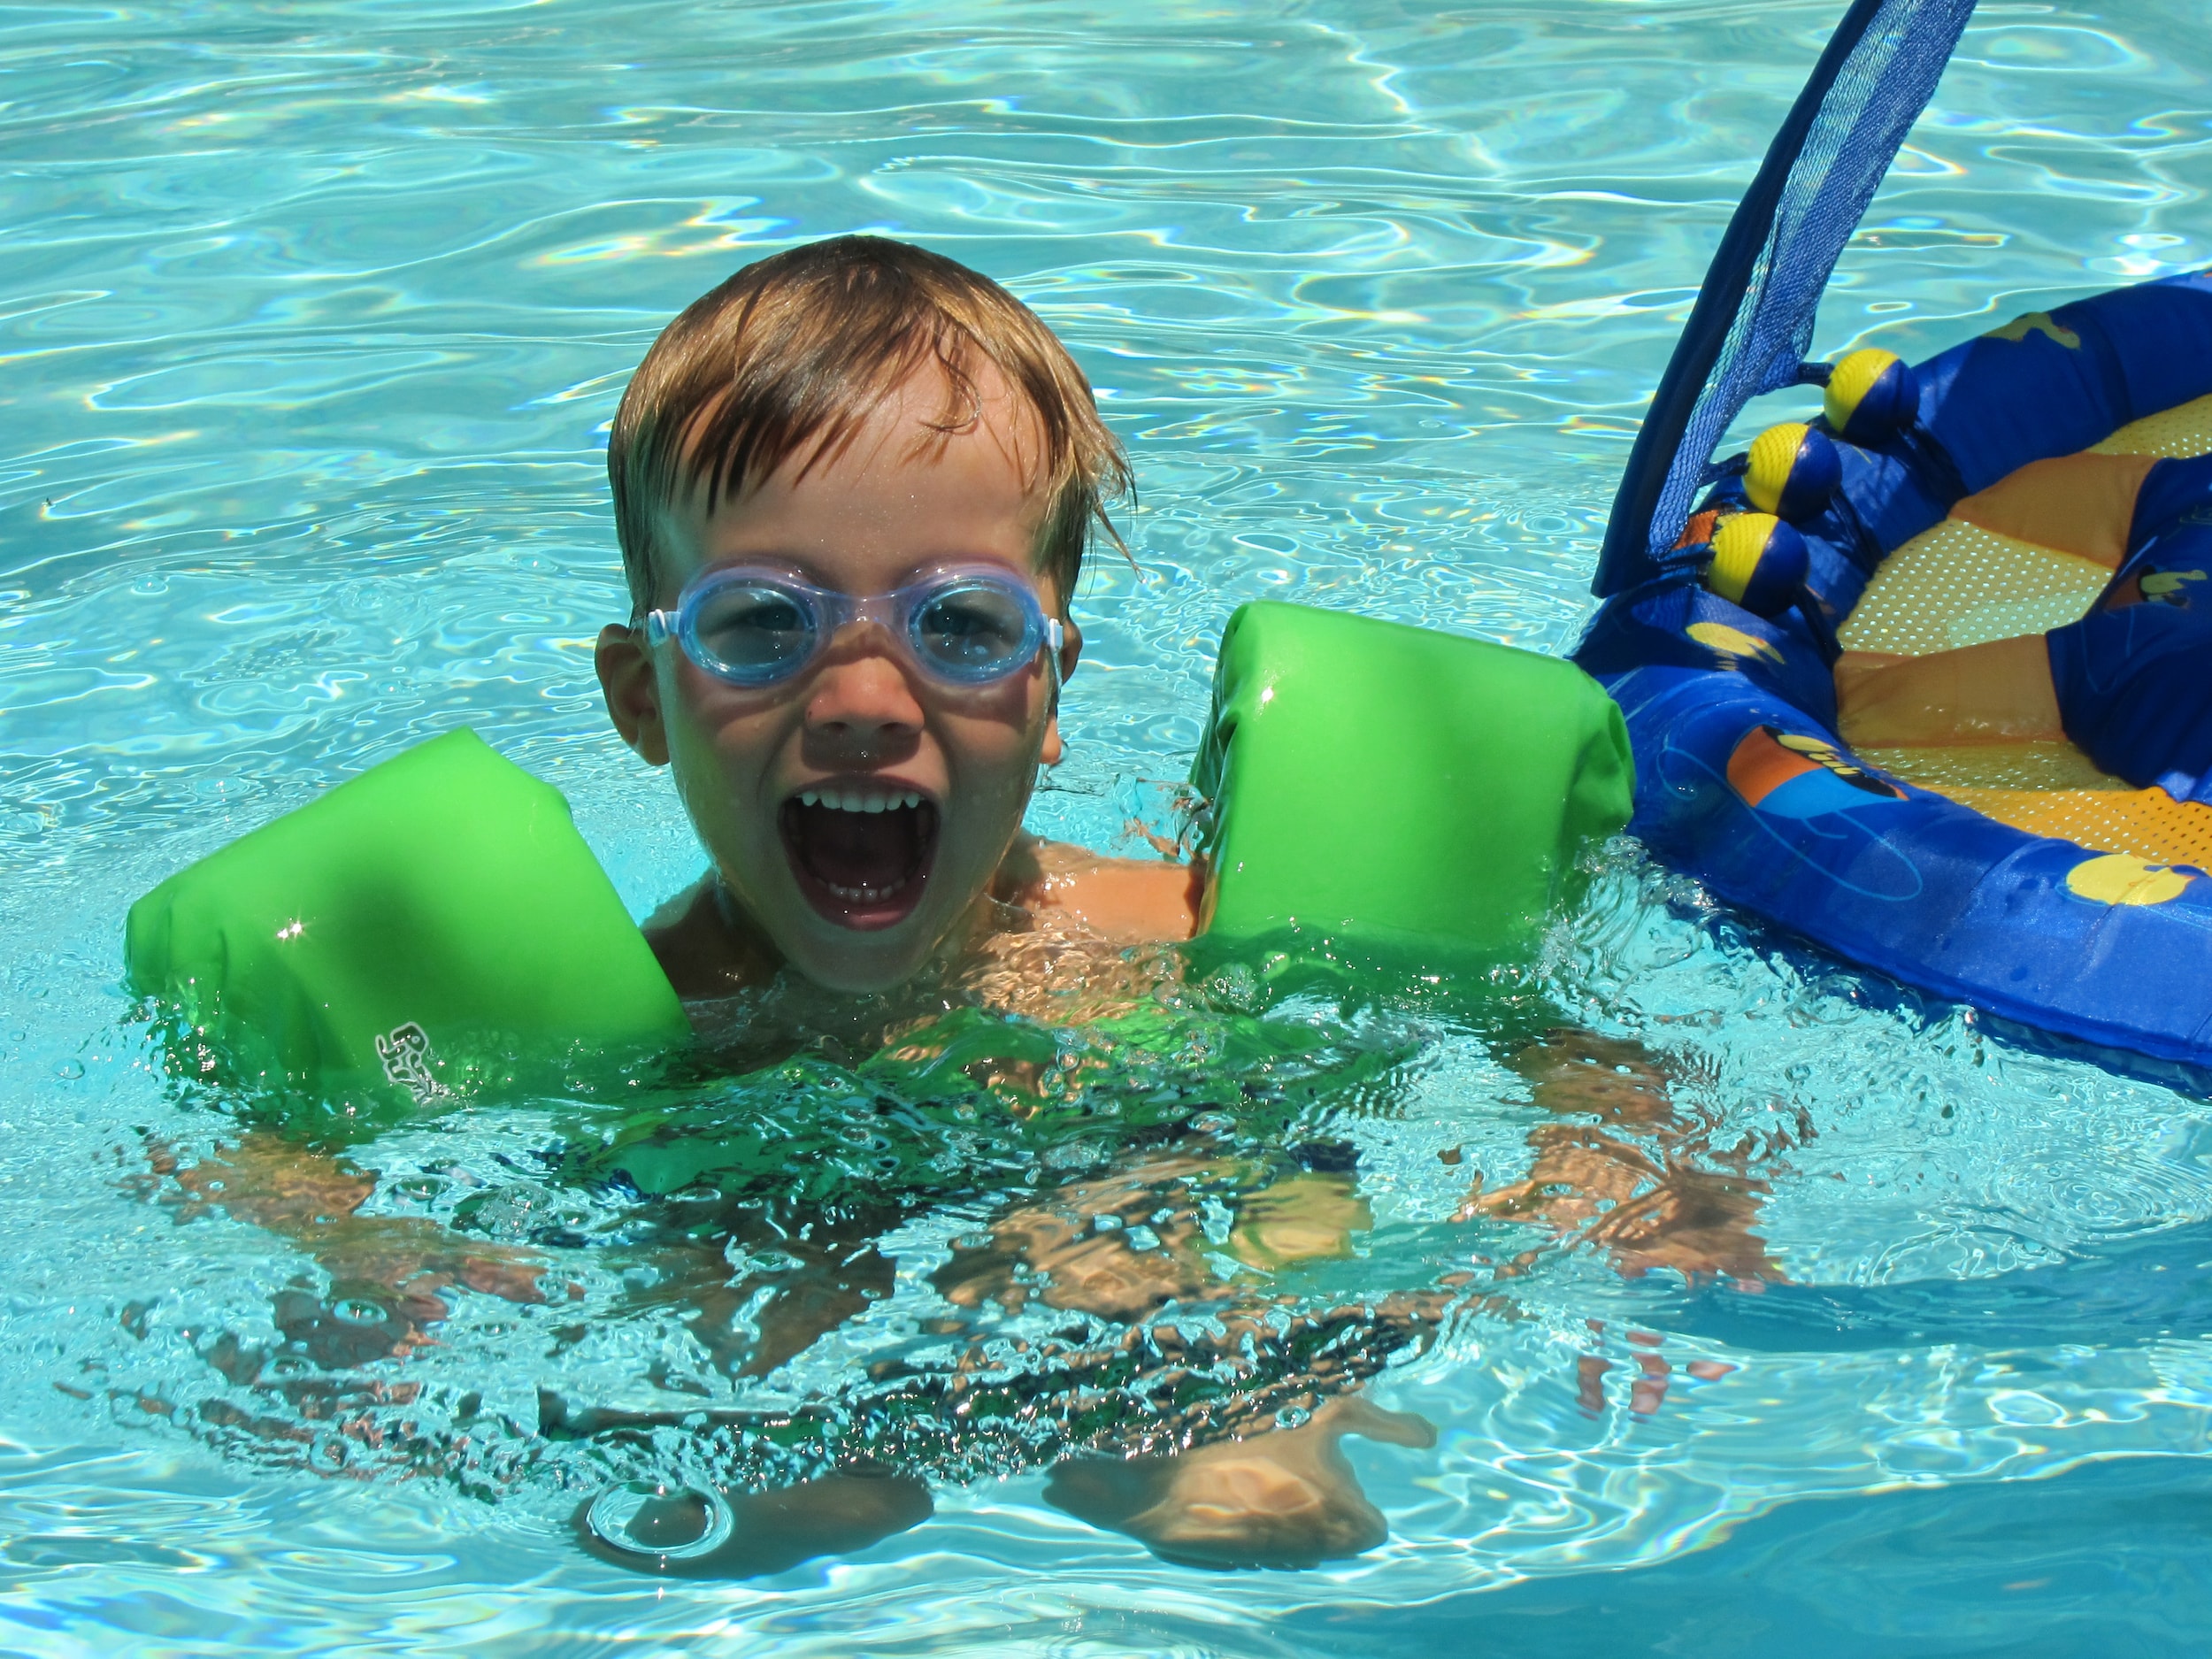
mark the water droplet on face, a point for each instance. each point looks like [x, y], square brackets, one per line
[357, 1310]
[644, 1517]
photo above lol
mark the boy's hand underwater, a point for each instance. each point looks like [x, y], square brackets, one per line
[1630, 1183]
[385, 1272]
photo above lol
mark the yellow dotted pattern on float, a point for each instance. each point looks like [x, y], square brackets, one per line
[2053, 789]
[1767, 469]
[1956, 770]
[1958, 584]
[1738, 543]
[2116, 879]
[2176, 434]
[1850, 380]
[2140, 823]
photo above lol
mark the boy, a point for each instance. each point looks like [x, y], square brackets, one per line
[853, 486]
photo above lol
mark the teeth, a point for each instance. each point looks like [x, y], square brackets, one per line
[853, 800]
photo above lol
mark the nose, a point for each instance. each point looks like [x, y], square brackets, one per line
[861, 707]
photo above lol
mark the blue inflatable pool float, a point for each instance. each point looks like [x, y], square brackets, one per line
[1997, 492]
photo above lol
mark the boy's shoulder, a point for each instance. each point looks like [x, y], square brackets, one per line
[703, 945]
[1128, 901]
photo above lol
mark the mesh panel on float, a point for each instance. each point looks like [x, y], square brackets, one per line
[1753, 323]
[1958, 584]
[2172, 433]
[2033, 765]
[2148, 824]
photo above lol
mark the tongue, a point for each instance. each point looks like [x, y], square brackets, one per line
[858, 851]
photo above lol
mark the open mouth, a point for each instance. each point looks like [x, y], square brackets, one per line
[861, 852]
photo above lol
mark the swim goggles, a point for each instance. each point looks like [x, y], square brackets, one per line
[759, 627]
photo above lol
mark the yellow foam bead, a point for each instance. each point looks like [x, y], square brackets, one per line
[1738, 543]
[1773, 455]
[1852, 379]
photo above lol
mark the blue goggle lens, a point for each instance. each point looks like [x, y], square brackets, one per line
[974, 630]
[754, 633]
[757, 630]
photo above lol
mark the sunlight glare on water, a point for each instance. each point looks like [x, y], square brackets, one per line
[314, 317]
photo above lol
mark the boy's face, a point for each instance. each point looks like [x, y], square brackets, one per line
[857, 900]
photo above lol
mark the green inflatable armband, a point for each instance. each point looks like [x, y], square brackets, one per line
[437, 914]
[1397, 795]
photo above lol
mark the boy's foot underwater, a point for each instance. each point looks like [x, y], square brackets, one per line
[1284, 1499]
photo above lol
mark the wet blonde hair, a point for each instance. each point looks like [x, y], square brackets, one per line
[790, 356]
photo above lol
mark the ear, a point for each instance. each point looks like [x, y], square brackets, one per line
[1070, 654]
[632, 692]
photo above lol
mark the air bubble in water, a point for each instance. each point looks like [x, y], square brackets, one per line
[327, 1454]
[645, 1518]
[355, 1310]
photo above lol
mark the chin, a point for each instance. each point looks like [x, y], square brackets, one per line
[858, 969]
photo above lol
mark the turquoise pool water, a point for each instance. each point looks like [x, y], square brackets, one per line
[312, 318]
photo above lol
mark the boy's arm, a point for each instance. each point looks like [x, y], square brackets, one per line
[1640, 1182]
[313, 1200]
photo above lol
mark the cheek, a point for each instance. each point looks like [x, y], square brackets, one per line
[995, 736]
[719, 747]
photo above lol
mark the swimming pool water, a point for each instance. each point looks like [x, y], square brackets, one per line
[312, 318]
